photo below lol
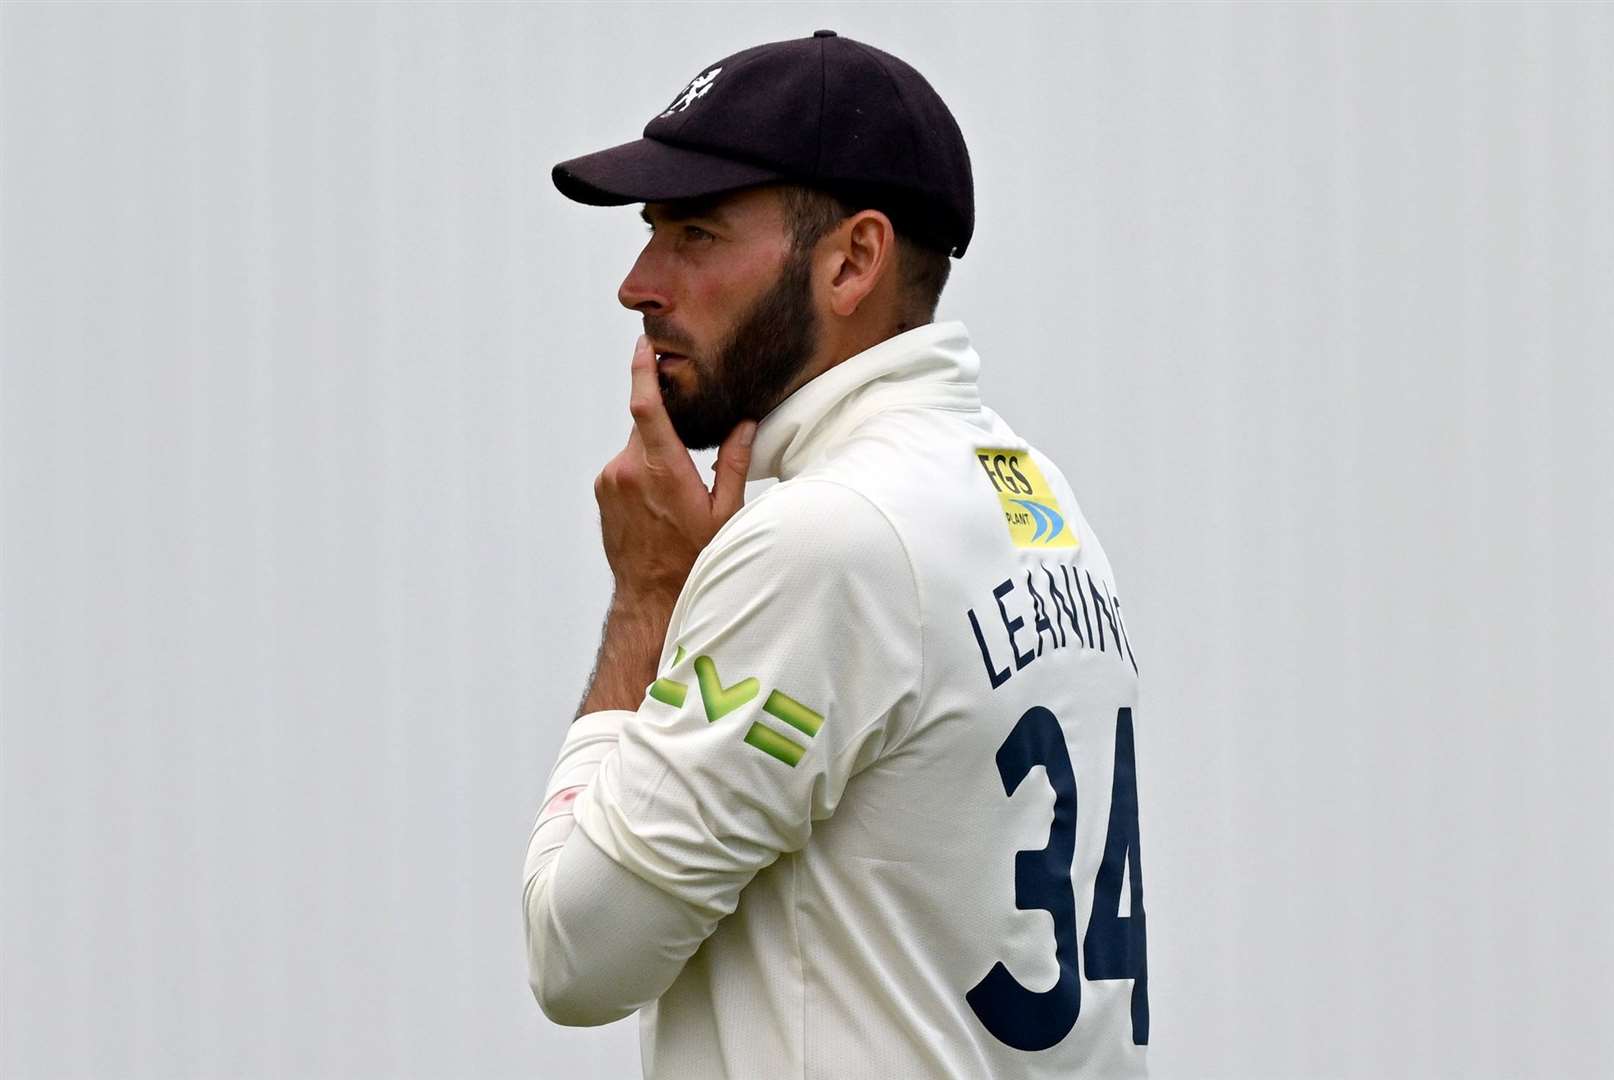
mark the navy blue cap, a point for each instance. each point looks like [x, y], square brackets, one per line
[824, 111]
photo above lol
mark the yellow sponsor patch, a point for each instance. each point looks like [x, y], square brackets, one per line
[1029, 507]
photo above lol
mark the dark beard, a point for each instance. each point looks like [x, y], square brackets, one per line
[748, 373]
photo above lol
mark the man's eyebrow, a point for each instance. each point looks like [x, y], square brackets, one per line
[685, 210]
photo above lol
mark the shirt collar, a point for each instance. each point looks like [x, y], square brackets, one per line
[930, 366]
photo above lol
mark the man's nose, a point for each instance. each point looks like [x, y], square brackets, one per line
[641, 290]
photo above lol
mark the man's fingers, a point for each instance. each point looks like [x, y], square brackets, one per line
[650, 418]
[733, 462]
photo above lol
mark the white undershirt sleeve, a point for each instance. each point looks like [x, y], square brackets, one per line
[582, 969]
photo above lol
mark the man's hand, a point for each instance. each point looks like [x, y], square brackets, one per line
[656, 514]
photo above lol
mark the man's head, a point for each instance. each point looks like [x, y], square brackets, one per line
[804, 197]
[748, 295]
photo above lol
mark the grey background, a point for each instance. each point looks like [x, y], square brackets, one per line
[308, 371]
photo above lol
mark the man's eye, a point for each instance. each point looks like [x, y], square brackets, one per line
[691, 232]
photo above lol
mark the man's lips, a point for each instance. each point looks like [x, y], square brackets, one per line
[667, 359]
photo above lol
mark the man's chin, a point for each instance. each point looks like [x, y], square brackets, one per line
[698, 440]
[693, 428]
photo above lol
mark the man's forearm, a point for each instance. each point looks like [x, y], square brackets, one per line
[635, 628]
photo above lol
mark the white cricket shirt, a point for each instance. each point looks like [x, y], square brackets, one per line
[877, 817]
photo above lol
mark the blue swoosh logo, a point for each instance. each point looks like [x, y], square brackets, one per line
[1046, 520]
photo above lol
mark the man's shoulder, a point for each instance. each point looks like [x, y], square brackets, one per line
[813, 518]
[810, 541]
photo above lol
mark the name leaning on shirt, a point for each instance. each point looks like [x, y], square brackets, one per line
[1079, 611]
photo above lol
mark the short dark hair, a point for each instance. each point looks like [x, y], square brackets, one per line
[812, 212]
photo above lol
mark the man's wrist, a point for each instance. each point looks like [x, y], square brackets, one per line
[630, 648]
[647, 605]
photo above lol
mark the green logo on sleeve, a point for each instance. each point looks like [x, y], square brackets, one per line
[719, 700]
[793, 713]
[667, 691]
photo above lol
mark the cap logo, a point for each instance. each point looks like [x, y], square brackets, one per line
[697, 88]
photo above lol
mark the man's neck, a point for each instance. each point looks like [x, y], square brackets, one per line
[851, 343]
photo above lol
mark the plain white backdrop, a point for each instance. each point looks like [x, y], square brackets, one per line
[308, 371]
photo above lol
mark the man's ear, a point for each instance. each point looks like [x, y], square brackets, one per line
[863, 250]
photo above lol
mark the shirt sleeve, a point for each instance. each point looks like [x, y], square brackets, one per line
[582, 969]
[793, 661]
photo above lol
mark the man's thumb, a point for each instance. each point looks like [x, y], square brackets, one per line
[733, 462]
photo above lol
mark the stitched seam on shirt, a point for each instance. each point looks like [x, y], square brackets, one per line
[919, 611]
[801, 956]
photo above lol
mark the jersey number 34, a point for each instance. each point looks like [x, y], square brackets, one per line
[1115, 945]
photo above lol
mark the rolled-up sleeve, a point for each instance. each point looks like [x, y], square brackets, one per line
[583, 969]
